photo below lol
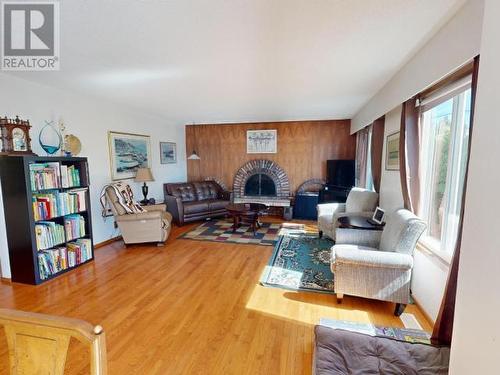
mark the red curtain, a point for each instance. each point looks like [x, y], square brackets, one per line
[377, 145]
[443, 328]
[409, 151]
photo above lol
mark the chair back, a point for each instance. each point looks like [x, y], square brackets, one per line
[38, 343]
[361, 200]
[206, 190]
[112, 199]
[183, 190]
[401, 232]
[120, 198]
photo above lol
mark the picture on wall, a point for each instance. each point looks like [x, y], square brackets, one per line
[127, 152]
[168, 153]
[392, 152]
[262, 141]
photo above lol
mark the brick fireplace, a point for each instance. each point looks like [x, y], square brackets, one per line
[262, 181]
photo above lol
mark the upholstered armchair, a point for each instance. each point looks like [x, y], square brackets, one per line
[377, 264]
[360, 202]
[136, 224]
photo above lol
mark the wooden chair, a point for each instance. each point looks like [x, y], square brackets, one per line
[38, 343]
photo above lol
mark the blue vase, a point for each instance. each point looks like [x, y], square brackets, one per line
[50, 139]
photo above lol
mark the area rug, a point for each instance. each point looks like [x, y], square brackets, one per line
[300, 261]
[222, 231]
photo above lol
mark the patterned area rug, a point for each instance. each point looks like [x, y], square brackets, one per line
[301, 261]
[222, 231]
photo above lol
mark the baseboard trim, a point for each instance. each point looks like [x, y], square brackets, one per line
[424, 313]
[6, 280]
[107, 242]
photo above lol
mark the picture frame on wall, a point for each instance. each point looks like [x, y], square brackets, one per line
[262, 141]
[127, 152]
[168, 152]
[392, 152]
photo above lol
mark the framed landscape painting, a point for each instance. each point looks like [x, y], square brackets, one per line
[168, 153]
[127, 152]
[262, 141]
[392, 152]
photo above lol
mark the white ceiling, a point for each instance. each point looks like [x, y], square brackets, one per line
[236, 60]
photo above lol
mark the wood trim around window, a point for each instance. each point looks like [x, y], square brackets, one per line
[460, 73]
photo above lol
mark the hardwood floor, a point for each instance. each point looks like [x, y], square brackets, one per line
[190, 307]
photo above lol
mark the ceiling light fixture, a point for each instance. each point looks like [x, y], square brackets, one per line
[194, 155]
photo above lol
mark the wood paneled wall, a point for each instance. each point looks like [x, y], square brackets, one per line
[303, 148]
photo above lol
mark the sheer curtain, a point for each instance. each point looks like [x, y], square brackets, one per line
[362, 143]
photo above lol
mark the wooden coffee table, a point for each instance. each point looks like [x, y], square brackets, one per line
[246, 213]
[358, 222]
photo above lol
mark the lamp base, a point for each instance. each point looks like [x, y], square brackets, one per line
[145, 191]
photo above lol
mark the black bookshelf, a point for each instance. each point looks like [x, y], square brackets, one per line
[20, 221]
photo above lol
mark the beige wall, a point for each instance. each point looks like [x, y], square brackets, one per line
[476, 335]
[391, 197]
[457, 41]
[89, 119]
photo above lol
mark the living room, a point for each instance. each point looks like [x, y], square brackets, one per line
[305, 177]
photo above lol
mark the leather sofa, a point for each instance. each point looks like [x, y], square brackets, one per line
[191, 201]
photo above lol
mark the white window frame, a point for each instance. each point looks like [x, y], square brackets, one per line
[452, 198]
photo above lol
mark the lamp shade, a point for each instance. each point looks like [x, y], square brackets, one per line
[144, 175]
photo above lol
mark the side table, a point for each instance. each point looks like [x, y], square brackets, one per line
[358, 222]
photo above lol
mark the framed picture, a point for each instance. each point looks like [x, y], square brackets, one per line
[168, 153]
[262, 141]
[127, 152]
[392, 152]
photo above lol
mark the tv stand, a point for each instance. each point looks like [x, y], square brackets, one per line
[334, 194]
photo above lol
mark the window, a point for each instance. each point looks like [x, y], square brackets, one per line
[444, 149]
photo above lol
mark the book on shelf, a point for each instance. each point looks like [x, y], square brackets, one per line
[61, 258]
[75, 226]
[70, 176]
[52, 261]
[49, 205]
[48, 234]
[79, 251]
[79, 198]
[45, 176]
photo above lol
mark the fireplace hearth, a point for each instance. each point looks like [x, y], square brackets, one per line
[262, 181]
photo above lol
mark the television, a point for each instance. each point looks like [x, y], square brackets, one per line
[340, 173]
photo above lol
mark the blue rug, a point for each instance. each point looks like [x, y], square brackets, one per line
[300, 261]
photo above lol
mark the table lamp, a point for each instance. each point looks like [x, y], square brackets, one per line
[144, 175]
